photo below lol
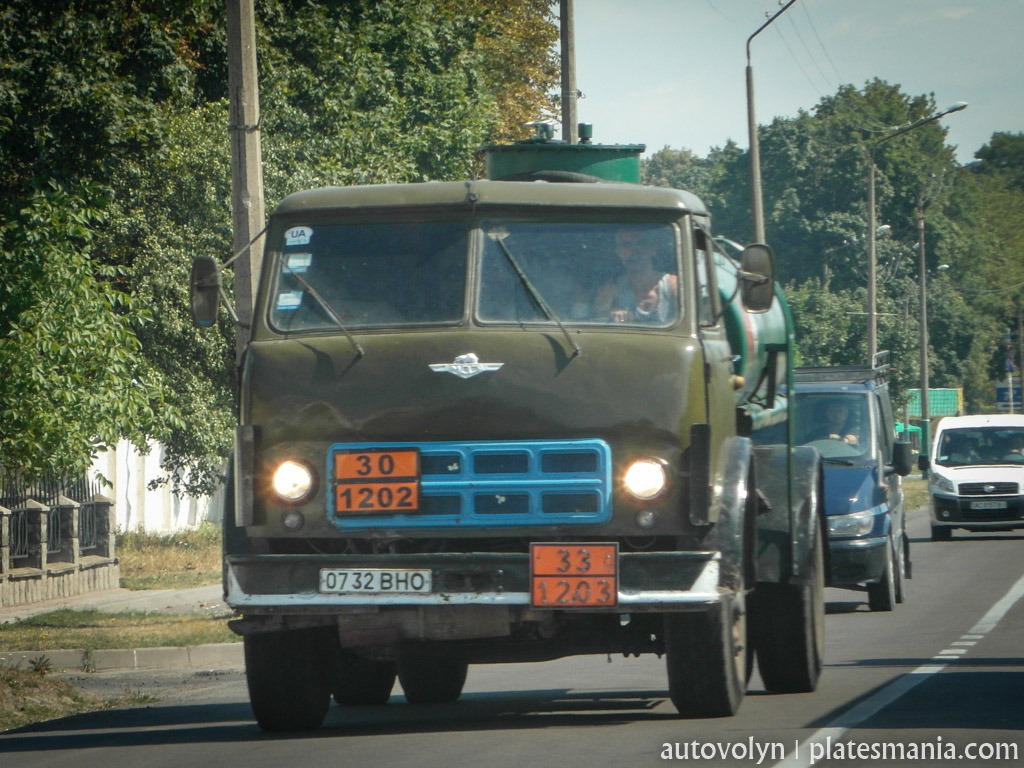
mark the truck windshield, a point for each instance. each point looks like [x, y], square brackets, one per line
[591, 272]
[377, 274]
[982, 445]
[372, 275]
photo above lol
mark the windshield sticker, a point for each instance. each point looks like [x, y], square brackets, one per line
[289, 300]
[298, 262]
[298, 236]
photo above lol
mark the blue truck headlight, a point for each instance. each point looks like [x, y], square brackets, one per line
[853, 524]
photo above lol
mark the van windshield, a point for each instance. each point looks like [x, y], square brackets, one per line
[834, 423]
[981, 445]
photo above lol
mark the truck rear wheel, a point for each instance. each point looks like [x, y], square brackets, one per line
[789, 622]
[706, 658]
[361, 682]
[285, 671]
[430, 680]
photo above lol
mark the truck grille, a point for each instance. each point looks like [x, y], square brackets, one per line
[497, 484]
[982, 489]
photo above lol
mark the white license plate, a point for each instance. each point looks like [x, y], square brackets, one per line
[988, 505]
[374, 581]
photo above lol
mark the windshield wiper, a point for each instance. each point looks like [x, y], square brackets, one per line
[326, 306]
[544, 307]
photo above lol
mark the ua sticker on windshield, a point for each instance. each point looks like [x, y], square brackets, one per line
[298, 236]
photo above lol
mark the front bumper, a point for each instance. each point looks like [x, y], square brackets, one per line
[289, 584]
[857, 561]
[961, 512]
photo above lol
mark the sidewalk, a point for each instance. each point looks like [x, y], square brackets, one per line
[198, 600]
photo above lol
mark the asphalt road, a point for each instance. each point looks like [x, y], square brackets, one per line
[940, 677]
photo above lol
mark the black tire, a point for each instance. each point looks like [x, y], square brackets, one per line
[941, 533]
[430, 680]
[706, 659]
[288, 689]
[901, 569]
[361, 682]
[789, 623]
[882, 595]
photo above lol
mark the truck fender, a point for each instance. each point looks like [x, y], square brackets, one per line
[787, 518]
[733, 509]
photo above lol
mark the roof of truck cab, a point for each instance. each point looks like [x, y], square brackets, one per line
[494, 193]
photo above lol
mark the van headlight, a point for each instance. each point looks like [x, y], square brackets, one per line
[293, 481]
[853, 524]
[646, 479]
[941, 483]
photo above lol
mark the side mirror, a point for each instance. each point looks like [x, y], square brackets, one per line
[204, 288]
[922, 463]
[903, 458]
[757, 277]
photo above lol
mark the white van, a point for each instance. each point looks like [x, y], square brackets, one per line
[976, 478]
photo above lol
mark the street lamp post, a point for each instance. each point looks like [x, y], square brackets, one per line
[872, 279]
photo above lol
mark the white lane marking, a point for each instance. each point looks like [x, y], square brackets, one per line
[853, 717]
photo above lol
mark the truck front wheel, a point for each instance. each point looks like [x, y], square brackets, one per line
[789, 627]
[285, 671]
[706, 658]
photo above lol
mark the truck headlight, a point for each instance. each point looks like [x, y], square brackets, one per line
[293, 481]
[941, 483]
[854, 524]
[645, 479]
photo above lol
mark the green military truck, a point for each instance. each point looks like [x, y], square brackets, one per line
[507, 419]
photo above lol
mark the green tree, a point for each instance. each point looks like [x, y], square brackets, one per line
[130, 97]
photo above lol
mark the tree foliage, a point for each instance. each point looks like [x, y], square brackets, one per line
[114, 172]
[814, 172]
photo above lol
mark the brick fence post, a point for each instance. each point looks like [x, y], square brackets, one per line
[69, 526]
[5, 542]
[106, 526]
[37, 515]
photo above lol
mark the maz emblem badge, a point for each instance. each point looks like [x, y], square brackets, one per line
[465, 366]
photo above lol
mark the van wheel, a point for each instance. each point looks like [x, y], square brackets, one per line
[288, 689]
[430, 680]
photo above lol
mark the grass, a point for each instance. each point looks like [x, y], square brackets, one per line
[175, 561]
[95, 630]
[148, 561]
[915, 491]
[28, 696]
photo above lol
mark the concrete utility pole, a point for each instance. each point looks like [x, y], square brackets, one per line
[756, 204]
[246, 159]
[568, 41]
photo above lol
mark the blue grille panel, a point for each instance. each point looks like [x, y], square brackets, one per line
[496, 484]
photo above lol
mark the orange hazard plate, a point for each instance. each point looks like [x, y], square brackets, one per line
[375, 481]
[574, 575]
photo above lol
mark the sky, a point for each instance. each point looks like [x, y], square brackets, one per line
[673, 72]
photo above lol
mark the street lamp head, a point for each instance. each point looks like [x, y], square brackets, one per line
[956, 107]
